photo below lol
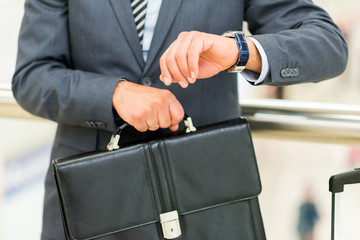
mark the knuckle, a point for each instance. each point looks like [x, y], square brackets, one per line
[170, 60]
[179, 117]
[192, 54]
[167, 94]
[183, 34]
[141, 129]
[165, 123]
[157, 103]
[137, 116]
[148, 109]
[177, 114]
[194, 33]
[180, 55]
[180, 114]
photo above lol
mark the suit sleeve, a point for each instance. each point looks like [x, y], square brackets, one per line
[45, 83]
[300, 39]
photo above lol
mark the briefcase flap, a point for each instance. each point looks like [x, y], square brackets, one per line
[109, 192]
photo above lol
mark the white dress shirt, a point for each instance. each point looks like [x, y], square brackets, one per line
[152, 13]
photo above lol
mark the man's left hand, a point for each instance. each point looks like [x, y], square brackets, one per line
[196, 55]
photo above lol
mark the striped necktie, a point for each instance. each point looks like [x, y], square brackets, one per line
[139, 10]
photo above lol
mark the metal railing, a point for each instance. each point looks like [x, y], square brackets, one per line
[305, 121]
[8, 106]
[276, 119]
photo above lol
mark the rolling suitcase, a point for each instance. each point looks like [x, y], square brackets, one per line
[336, 186]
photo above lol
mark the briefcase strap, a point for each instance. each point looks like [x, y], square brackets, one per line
[115, 137]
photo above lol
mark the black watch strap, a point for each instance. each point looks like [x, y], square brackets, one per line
[239, 37]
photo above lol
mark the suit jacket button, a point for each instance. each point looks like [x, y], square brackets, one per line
[146, 81]
[284, 73]
[88, 124]
[289, 72]
[296, 72]
[100, 125]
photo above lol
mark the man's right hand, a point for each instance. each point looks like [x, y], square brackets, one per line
[147, 108]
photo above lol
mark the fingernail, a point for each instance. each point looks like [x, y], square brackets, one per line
[183, 84]
[193, 76]
[190, 80]
[167, 81]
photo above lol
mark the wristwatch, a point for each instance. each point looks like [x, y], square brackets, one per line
[239, 37]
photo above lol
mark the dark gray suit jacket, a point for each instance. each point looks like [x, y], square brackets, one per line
[72, 53]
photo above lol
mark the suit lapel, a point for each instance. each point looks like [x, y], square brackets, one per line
[125, 18]
[167, 14]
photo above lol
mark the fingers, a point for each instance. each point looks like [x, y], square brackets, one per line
[170, 116]
[164, 119]
[165, 73]
[174, 128]
[176, 113]
[141, 127]
[172, 69]
[193, 58]
[179, 63]
[196, 55]
[147, 108]
[152, 122]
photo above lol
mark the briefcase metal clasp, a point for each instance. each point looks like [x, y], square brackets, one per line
[115, 137]
[170, 224]
[114, 142]
[189, 124]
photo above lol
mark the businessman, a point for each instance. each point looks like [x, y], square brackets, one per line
[86, 65]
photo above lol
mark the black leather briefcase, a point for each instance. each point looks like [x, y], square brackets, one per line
[201, 185]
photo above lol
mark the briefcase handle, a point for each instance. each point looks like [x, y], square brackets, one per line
[115, 137]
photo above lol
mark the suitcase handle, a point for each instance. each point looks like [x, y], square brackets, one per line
[336, 185]
[337, 182]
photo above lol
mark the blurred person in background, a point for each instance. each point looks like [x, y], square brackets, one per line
[84, 65]
[308, 216]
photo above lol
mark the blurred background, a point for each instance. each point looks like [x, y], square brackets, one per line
[295, 165]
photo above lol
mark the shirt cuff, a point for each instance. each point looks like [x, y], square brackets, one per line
[253, 77]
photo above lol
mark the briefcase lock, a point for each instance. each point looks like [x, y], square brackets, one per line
[170, 224]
